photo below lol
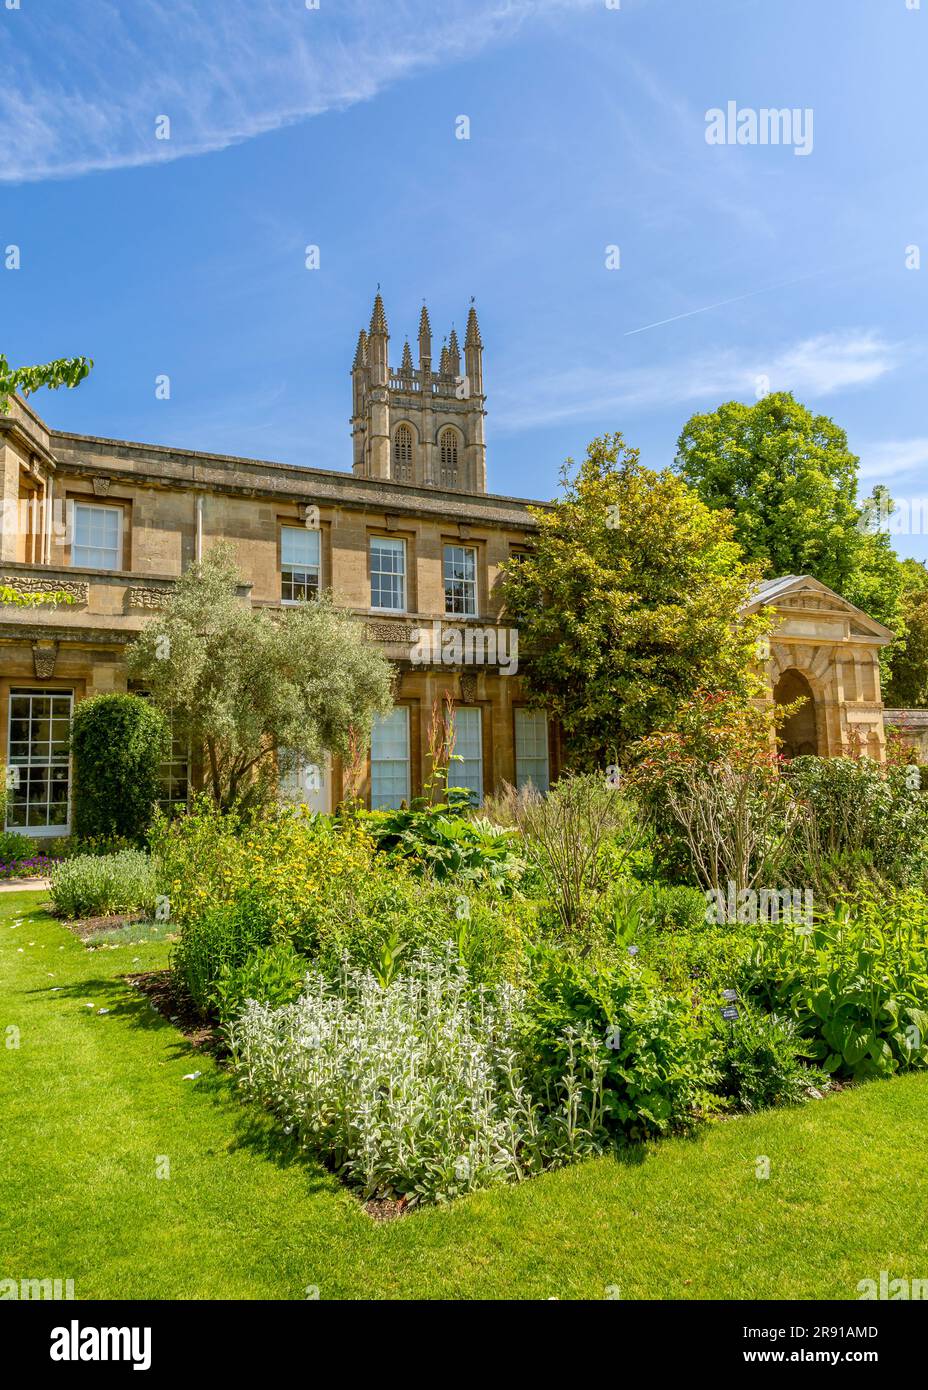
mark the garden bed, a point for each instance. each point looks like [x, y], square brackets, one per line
[245, 1216]
[176, 1007]
[89, 927]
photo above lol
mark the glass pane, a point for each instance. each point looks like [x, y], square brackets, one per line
[299, 546]
[299, 586]
[58, 788]
[388, 573]
[532, 748]
[390, 760]
[466, 767]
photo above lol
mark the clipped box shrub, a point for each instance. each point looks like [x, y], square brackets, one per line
[118, 742]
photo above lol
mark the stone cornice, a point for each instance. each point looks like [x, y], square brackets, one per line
[65, 634]
[156, 465]
[14, 430]
[803, 597]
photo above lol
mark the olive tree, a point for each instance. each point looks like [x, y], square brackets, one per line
[242, 683]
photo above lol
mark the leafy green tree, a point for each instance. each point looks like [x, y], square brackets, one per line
[630, 601]
[118, 742]
[243, 683]
[789, 480]
[907, 687]
[65, 371]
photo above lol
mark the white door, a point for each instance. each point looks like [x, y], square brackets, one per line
[303, 783]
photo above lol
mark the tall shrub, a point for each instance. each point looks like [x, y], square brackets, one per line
[564, 834]
[118, 742]
[859, 819]
[711, 787]
[630, 600]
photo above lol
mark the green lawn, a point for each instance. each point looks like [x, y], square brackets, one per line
[89, 1103]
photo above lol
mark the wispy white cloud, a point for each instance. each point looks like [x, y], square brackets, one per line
[83, 85]
[813, 367]
[898, 462]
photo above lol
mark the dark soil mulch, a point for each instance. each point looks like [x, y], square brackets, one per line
[386, 1208]
[161, 988]
[89, 926]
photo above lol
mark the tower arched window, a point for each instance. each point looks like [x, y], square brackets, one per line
[402, 454]
[448, 457]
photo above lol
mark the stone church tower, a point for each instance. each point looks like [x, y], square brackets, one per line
[416, 425]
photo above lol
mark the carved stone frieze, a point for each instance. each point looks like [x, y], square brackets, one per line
[468, 688]
[78, 589]
[390, 631]
[44, 657]
[141, 596]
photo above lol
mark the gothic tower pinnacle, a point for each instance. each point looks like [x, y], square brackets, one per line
[419, 427]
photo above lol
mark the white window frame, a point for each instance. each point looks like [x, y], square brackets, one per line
[400, 716]
[523, 716]
[458, 774]
[19, 764]
[288, 567]
[75, 545]
[391, 543]
[469, 585]
[174, 772]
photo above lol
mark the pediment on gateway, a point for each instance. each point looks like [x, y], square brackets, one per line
[813, 602]
[801, 600]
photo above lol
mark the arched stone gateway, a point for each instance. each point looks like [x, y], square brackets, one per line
[798, 735]
[826, 650]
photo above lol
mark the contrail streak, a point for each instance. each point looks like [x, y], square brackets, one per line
[721, 304]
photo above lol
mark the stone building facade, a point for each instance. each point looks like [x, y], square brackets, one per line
[408, 540]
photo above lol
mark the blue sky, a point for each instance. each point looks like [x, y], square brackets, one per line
[336, 127]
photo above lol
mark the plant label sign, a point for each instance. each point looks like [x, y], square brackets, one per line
[730, 1013]
[730, 994]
